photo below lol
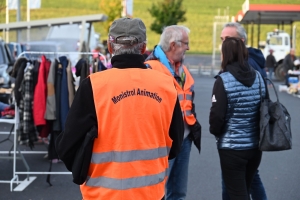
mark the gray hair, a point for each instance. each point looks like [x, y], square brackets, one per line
[119, 49]
[172, 34]
[239, 29]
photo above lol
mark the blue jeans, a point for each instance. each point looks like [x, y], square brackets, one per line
[271, 71]
[257, 190]
[176, 185]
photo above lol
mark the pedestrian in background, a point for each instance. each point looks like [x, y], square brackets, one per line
[137, 113]
[257, 61]
[270, 63]
[234, 118]
[288, 64]
[167, 57]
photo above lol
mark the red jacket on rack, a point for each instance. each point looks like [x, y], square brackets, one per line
[40, 93]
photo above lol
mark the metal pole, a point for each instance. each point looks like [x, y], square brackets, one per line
[252, 30]
[291, 35]
[28, 20]
[247, 29]
[82, 38]
[294, 37]
[124, 11]
[7, 21]
[214, 50]
[89, 35]
[28, 10]
[258, 31]
[18, 19]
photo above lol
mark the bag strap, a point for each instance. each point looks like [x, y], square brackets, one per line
[261, 99]
[266, 79]
[277, 98]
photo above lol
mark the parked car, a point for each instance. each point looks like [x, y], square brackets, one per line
[6, 65]
[49, 46]
[15, 49]
[71, 33]
[43, 46]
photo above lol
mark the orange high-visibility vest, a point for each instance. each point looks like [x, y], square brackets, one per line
[134, 110]
[184, 94]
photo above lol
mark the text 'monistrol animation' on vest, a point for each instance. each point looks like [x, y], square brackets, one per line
[138, 91]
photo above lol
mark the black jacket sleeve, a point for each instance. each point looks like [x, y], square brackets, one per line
[218, 108]
[81, 118]
[195, 129]
[176, 131]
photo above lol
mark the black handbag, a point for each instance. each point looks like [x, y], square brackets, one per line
[275, 124]
[83, 157]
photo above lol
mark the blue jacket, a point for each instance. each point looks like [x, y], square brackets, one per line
[234, 119]
[241, 131]
[257, 60]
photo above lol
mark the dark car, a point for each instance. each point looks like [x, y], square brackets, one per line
[6, 64]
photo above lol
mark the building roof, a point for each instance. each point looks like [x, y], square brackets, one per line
[268, 13]
[53, 22]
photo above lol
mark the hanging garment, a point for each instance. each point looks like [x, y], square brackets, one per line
[35, 71]
[70, 81]
[51, 103]
[64, 95]
[27, 129]
[82, 69]
[51, 148]
[40, 93]
[101, 66]
[18, 74]
[57, 85]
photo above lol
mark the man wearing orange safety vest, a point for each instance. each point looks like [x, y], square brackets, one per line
[167, 57]
[137, 113]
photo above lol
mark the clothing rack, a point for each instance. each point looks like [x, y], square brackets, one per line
[21, 185]
[64, 53]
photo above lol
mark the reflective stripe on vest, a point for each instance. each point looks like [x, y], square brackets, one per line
[180, 97]
[129, 156]
[188, 112]
[187, 97]
[127, 183]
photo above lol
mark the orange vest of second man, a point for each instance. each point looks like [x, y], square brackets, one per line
[134, 110]
[184, 93]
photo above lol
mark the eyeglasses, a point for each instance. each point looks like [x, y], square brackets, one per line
[186, 43]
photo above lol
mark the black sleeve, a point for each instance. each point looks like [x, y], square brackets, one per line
[274, 61]
[218, 108]
[176, 131]
[81, 118]
[193, 105]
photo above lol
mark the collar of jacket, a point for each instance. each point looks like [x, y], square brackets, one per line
[161, 56]
[128, 61]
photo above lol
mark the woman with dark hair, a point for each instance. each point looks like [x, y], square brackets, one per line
[234, 118]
